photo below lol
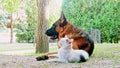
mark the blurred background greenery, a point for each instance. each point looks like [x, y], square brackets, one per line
[103, 15]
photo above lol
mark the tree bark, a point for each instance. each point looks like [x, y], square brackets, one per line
[11, 29]
[42, 45]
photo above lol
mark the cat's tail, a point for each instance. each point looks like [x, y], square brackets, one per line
[84, 56]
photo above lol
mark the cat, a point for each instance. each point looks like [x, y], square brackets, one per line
[66, 54]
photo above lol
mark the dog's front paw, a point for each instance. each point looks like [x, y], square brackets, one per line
[44, 57]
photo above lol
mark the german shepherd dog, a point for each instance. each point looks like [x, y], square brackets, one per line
[62, 27]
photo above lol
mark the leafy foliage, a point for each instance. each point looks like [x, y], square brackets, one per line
[99, 14]
[25, 31]
[3, 19]
[11, 5]
[24, 34]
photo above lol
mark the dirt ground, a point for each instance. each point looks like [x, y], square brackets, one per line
[10, 61]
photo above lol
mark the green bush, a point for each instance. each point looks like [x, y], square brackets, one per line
[99, 14]
[25, 32]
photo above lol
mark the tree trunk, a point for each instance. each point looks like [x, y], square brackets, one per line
[11, 29]
[42, 45]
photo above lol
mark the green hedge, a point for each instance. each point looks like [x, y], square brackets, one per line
[99, 14]
[25, 32]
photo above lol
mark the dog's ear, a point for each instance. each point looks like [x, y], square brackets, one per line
[63, 20]
[62, 16]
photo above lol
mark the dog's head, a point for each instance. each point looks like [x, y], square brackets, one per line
[53, 32]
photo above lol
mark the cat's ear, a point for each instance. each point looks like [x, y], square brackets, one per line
[66, 36]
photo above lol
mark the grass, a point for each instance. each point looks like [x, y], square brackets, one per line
[23, 46]
[101, 51]
[15, 47]
[107, 51]
[104, 54]
[51, 49]
[110, 51]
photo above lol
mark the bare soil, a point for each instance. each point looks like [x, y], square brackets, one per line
[10, 61]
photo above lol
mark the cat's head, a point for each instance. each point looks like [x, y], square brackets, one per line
[65, 42]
